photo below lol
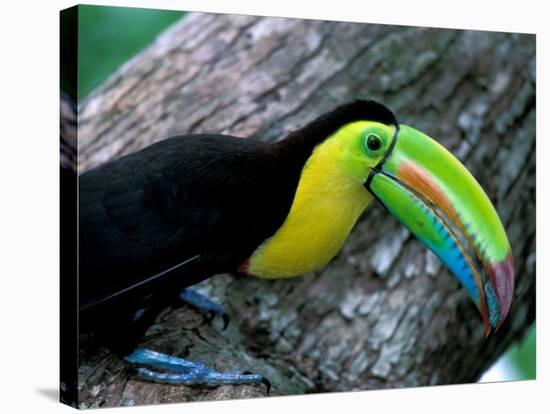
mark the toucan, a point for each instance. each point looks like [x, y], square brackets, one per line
[155, 222]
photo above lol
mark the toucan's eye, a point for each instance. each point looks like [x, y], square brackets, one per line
[374, 143]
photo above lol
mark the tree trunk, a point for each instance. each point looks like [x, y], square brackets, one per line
[384, 313]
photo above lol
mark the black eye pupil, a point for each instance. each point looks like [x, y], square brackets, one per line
[374, 143]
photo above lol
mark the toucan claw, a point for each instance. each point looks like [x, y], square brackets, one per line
[204, 303]
[179, 371]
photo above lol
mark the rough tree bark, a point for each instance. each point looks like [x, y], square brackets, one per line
[384, 313]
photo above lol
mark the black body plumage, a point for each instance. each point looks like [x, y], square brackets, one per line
[202, 199]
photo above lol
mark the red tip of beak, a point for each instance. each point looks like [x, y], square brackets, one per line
[502, 277]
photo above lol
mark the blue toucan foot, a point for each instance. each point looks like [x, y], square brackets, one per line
[204, 303]
[187, 372]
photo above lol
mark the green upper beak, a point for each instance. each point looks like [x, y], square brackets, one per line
[432, 194]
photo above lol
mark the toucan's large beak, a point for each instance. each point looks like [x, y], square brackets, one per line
[432, 194]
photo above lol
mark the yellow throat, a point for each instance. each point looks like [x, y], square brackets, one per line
[327, 203]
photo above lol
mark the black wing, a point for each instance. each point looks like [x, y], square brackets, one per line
[173, 214]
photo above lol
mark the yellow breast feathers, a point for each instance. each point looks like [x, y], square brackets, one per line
[326, 205]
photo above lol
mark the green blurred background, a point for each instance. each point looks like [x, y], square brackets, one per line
[109, 36]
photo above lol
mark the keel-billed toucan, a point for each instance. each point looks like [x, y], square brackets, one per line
[154, 222]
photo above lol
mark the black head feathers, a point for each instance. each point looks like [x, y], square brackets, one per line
[305, 139]
[359, 110]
